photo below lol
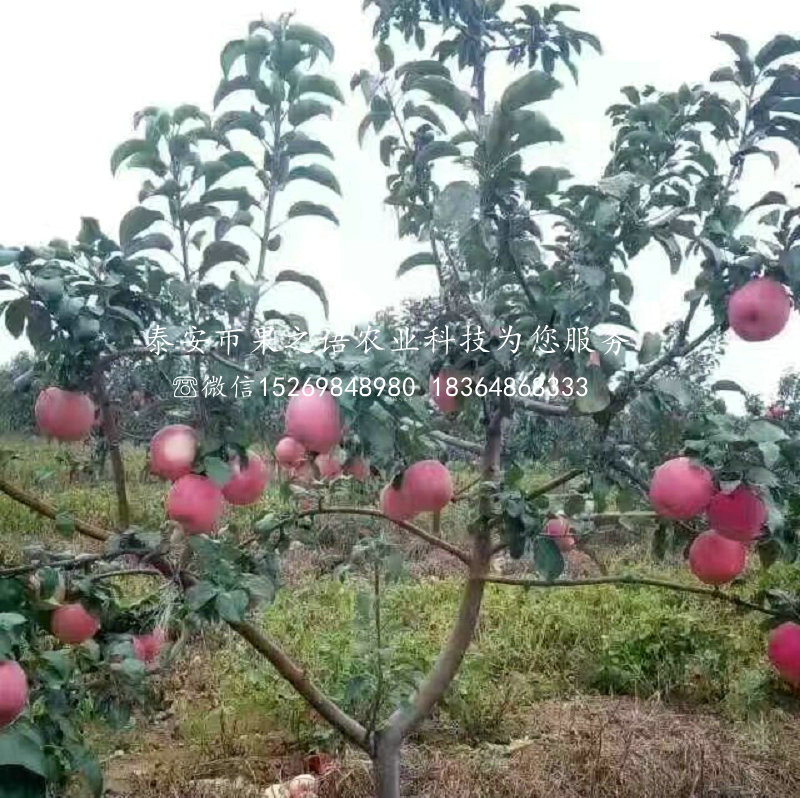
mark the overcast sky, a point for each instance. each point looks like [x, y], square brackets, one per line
[74, 73]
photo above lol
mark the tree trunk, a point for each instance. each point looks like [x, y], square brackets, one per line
[386, 769]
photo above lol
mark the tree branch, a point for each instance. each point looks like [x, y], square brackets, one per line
[413, 529]
[49, 511]
[295, 675]
[540, 407]
[635, 581]
[110, 427]
[458, 443]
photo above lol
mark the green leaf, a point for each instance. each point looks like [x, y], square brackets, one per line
[200, 594]
[444, 92]
[779, 47]
[673, 250]
[10, 620]
[385, 56]
[228, 87]
[650, 348]
[545, 180]
[674, 387]
[8, 256]
[292, 276]
[129, 148]
[727, 385]
[762, 431]
[437, 149]
[303, 110]
[624, 286]
[21, 745]
[307, 35]
[532, 127]
[152, 241]
[16, 313]
[770, 198]
[221, 252]
[240, 120]
[412, 69]
[231, 52]
[724, 75]
[239, 195]
[185, 112]
[256, 49]
[196, 211]
[318, 174]
[412, 110]
[456, 204]
[319, 85]
[770, 452]
[547, 558]
[65, 523]
[136, 221]
[217, 470]
[597, 394]
[311, 209]
[300, 144]
[736, 43]
[418, 259]
[530, 88]
[232, 606]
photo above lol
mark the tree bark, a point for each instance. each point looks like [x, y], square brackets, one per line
[386, 769]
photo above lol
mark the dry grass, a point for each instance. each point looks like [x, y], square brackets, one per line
[588, 748]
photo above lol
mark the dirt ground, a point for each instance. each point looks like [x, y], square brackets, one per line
[589, 748]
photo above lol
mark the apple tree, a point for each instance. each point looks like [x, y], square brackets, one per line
[524, 255]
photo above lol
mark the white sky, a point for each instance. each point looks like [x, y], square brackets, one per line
[74, 73]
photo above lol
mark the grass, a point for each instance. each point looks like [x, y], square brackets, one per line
[534, 649]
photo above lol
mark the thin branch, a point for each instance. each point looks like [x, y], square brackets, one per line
[458, 443]
[73, 564]
[635, 581]
[49, 511]
[110, 427]
[296, 676]
[413, 529]
[540, 407]
[127, 572]
[554, 483]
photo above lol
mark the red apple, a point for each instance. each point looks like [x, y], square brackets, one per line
[172, 452]
[783, 651]
[738, 515]
[147, 647]
[427, 486]
[196, 503]
[394, 505]
[313, 419]
[64, 415]
[680, 488]
[246, 485]
[72, 624]
[13, 692]
[776, 412]
[438, 388]
[559, 529]
[358, 469]
[715, 559]
[329, 467]
[759, 310]
[289, 452]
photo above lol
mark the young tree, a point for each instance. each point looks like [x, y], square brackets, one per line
[518, 251]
